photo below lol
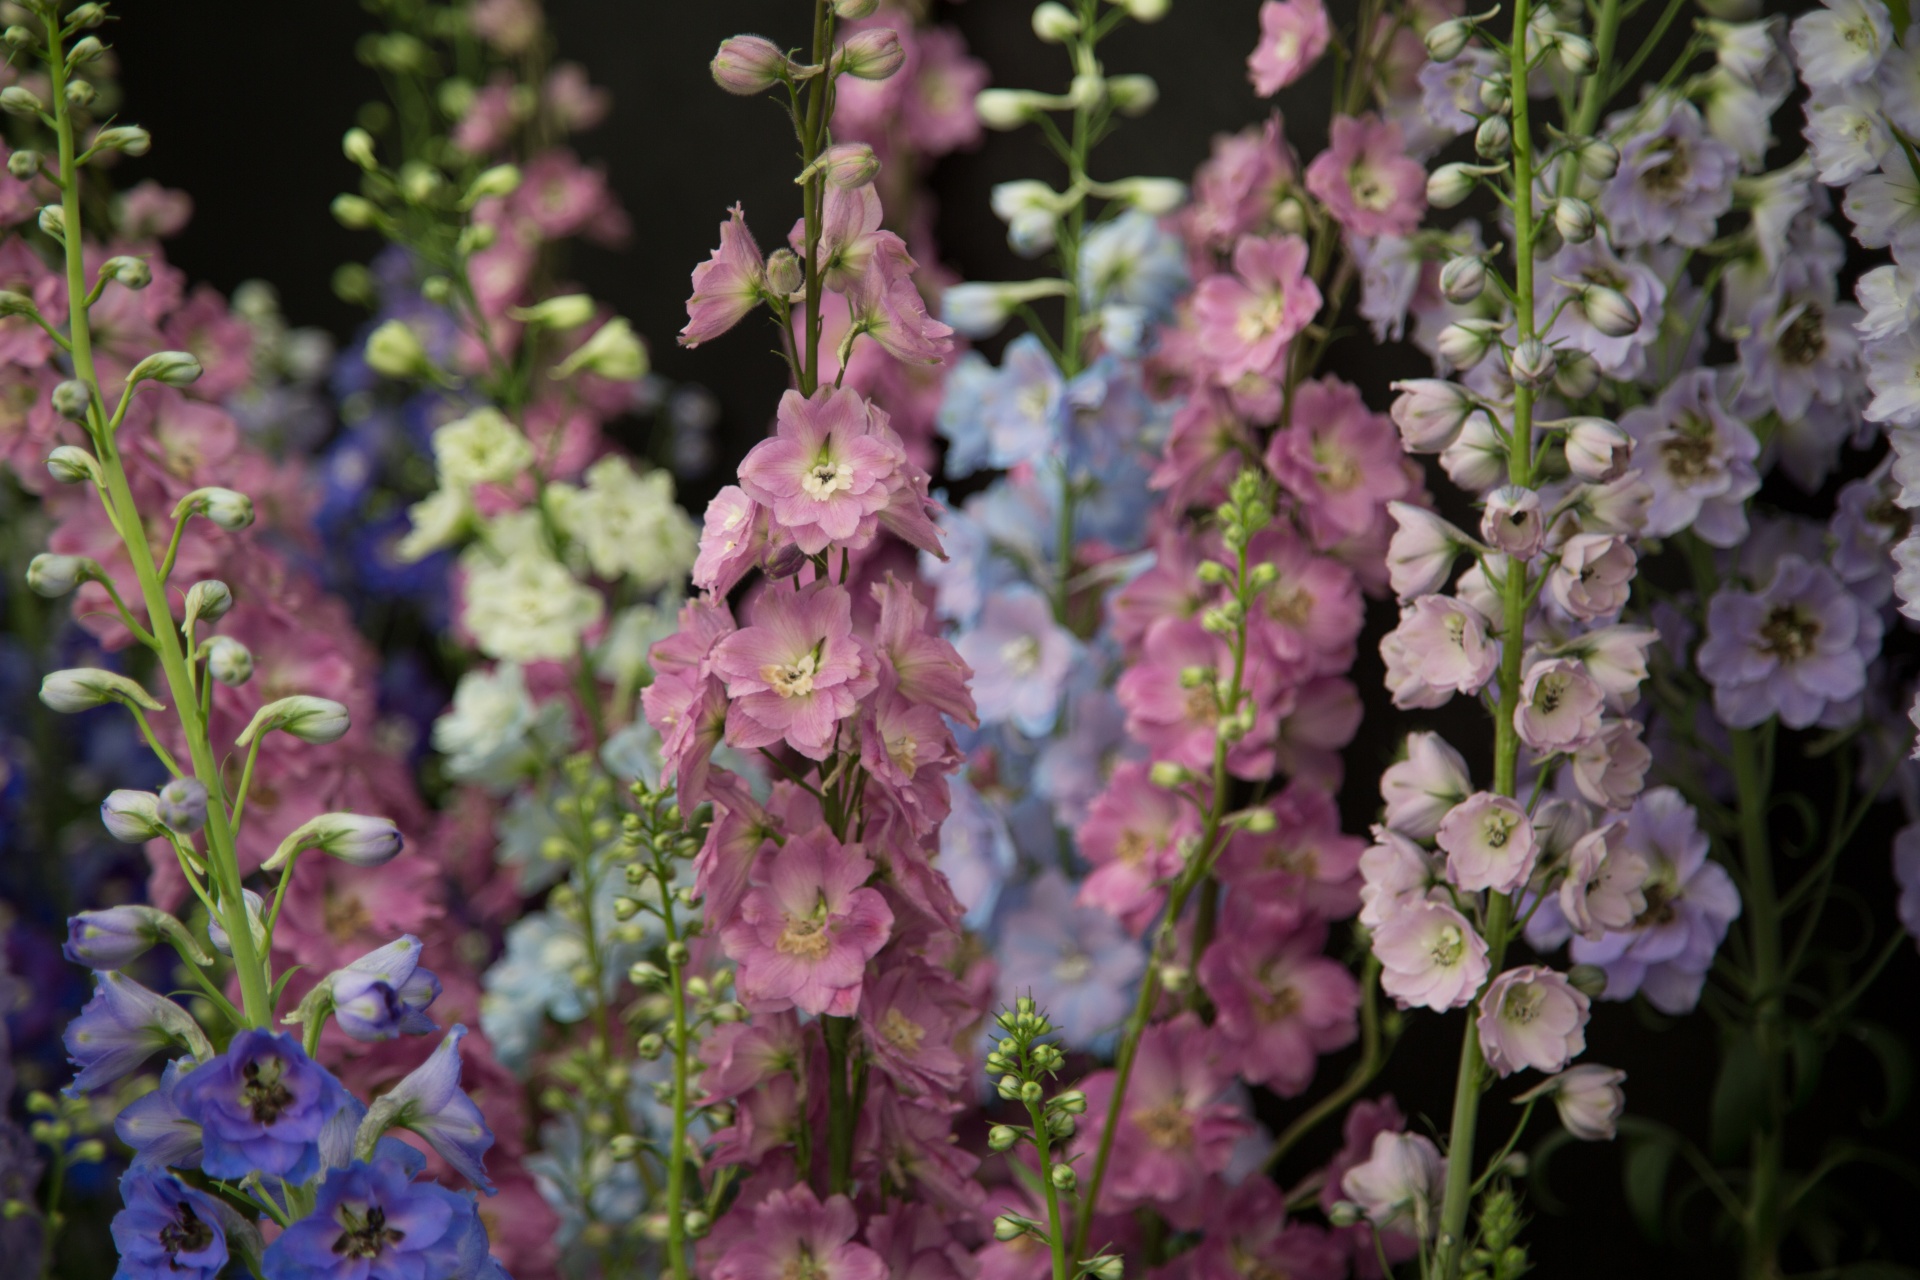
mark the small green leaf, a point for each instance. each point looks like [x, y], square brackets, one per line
[280, 985]
[1896, 1069]
[1739, 1096]
[1645, 1169]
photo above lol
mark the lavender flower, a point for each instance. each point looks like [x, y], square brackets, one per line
[261, 1107]
[1020, 656]
[154, 1126]
[430, 1103]
[384, 993]
[121, 1027]
[168, 1231]
[1076, 962]
[374, 1221]
[1798, 649]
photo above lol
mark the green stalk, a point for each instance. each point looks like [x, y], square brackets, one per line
[810, 138]
[1761, 911]
[222, 861]
[1056, 1238]
[840, 1111]
[677, 1145]
[1450, 1248]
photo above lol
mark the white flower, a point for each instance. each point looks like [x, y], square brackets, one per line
[629, 525]
[1893, 373]
[489, 720]
[1899, 82]
[439, 520]
[1846, 132]
[526, 607]
[622, 656]
[481, 448]
[1891, 302]
[1842, 43]
[1885, 208]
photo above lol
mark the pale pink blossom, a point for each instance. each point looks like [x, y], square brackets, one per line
[796, 672]
[824, 474]
[1442, 646]
[1532, 1017]
[1366, 180]
[793, 1235]
[1399, 1185]
[1420, 790]
[1247, 319]
[1589, 1099]
[808, 928]
[1593, 577]
[1560, 706]
[1132, 837]
[732, 541]
[1430, 957]
[1282, 1001]
[1489, 843]
[727, 285]
[1293, 35]
[1611, 768]
[1422, 552]
[1605, 884]
[1395, 873]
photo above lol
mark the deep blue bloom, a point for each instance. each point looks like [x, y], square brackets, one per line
[154, 1126]
[261, 1105]
[168, 1231]
[372, 1222]
[385, 993]
[430, 1103]
[121, 1027]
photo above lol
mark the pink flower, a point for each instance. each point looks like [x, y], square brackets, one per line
[1430, 957]
[1237, 188]
[794, 1235]
[1489, 844]
[1247, 319]
[1593, 577]
[886, 305]
[727, 285]
[734, 536]
[1342, 461]
[1367, 181]
[1611, 768]
[1420, 790]
[1132, 837]
[1440, 648]
[825, 473]
[910, 1017]
[1306, 861]
[1399, 1186]
[1589, 1099]
[796, 673]
[488, 121]
[924, 667]
[1311, 613]
[1282, 1001]
[1532, 1017]
[561, 197]
[1293, 35]
[1205, 447]
[807, 930]
[1605, 885]
[1179, 722]
[1559, 707]
[1176, 1127]
[907, 748]
[1396, 873]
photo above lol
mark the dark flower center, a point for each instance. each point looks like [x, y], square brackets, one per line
[1804, 341]
[1889, 515]
[1660, 905]
[263, 1094]
[187, 1234]
[1667, 177]
[1688, 453]
[1789, 633]
[365, 1237]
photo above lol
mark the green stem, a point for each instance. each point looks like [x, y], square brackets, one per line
[840, 1109]
[810, 147]
[222, 861]
[1371, 1059]
[1761, 910]
[677, 1144]
[1056, 1230]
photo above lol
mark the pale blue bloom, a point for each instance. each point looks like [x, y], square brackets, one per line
[1001, 417]
[1020, 657]
[1076, 962]
[1132, 261]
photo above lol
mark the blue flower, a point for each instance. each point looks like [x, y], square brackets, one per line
[373, 1222]
[1074, 766]
[261, 1107]
[534, 979]
[976, 853]
[154, 1126]
[1132, 262]
[168, 1231]
[1020, 657]
[121, 1027]
[111, 938]
[430, 1103]
[1076, 962]
[1001, 418]
[385, 993]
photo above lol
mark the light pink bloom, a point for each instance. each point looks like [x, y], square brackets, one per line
[1430, 957]
[1559, 707]
[824, 474]
[910, 1017]
[1420, 790]
[1532, 1017]
[794, 1235]
[1443, 646]
[1399, 1186]
[885, 304]
[1367, 181]
[924, 667]
[908, 750]
[1395, 874]
[1422, 551]
[1310, 614]
[1616, 657]
[1293, 35]
[1611, 768]
[806, 932]
[1306, 861]
[1236, 189]
[727, 285]
[1177, 1127]
[1589, 1099]
[1179, 722]
[1605, 885]
[1593, 577]
[1513, 521]
[796, 672]
[1247, 319]
[1430, 412]
[1282, 1002]
[1132, 837]
[1489, 843]
[734, 537]
[1340, 460]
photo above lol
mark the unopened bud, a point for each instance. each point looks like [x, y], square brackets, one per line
[86, 49]
[1463, 278]
[1597, 450]
[53, 220]
[19, 37]
[395, 350]
[83, 688]
[87, 16]
[1465, 343]
[1532, 363]
[1494, 138]
[650, 1046]
[1108, 1266]
[849, 165]
[871, 55]
[1446, 40]
[17, 100]
[357, 146]
[1169, 774]
[1576, 53]
[748, 65]
[1448, 185]
[132, 272]
[132, 817]
[70, 464]
[54, 576]
[183, 805]
[1609, 310]
[784, 275]
[1496, 92]
[355, 213]
[566, 311]
[500, 180]
[129, 138]
[1577, 376]
[1589, 980]
[1573, 219]
[1146, 11]
[169, 368]
[229, 661]
[310, 719]
[1002, 1137]
[1005, 108]
[1133, 95]
[1009, 1226]
[1599, 159]
[1062, 1177]
[613, 352]
[227, 508]
[23, 164]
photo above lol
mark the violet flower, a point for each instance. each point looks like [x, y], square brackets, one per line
[261, 1107]
[1797, 649]
[373, 1221]
[168, 1230]
[385, 993]
[122, 1026]
[430, 1102]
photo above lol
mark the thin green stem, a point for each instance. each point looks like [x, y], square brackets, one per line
[1056, 1226]
[840, 1109]
[677, 1143]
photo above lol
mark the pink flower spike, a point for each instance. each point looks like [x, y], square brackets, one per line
[727, 285]
[796, 673]
[1247, 319]
[1293, 35]
[1367, 181]
[805, 934]
[826, 471]
[1532, 1017]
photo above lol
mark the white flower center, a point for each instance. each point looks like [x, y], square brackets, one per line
[793, 679]
[825, 479]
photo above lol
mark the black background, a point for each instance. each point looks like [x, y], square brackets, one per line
[247, 104]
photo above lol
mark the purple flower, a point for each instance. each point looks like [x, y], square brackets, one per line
[1020, 656]
[1697, 458]
[111, 939]
[1798, 649]
[373, 1223]
[154, 1126]
[385, 993]
[1594, 263]
[1002, 417]
[1800, 344]
[431, 1103]
[1674, 180]
[1076, 962]
[168, 1231]
[121, 1027]
[261, 1106]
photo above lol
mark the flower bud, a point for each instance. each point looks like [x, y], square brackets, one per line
[1002, 1137]
[19, 37]
[351, 837]
[613, 352]
[784, 274]
[1054, 23]
[86, 49]
[169, 368]
[1576, 53]
[355, 213]
[53, 221]
[23, 164]
[1345, 1213]
[1573, 219]
[1448, 185]
[183, 805]
[231, 510]
[1597, 450]
[54, 576]
[854, 10]
[1062, 1177]
[1108, 1266]
[1009, 1226]
[1532, 363]
[134, 273]
[1578, 376]
[1465, 343]
[253, 905]
[1496, 91]
[1146, 11]
[1494, 138]
[1169, 774]
[310, 719]
[357, 146]
[83, 688]
[1150, 195]
[70, 464]
[566, 311]
[1589, 980]
[500, 180]
[871, 55]
[17, 100]
[70, 401]
[1599, 159]
[1513, 522]
[1005, 108]
[1446, 40]
[1430, 412]
[229, 661]
[1132, 95]
[132, 817]
[117, 936]
[849, 165]
[395, 350]
[1462, 279]
[1609, 310]
[130, 138]
[748, 65]
[87, 16]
